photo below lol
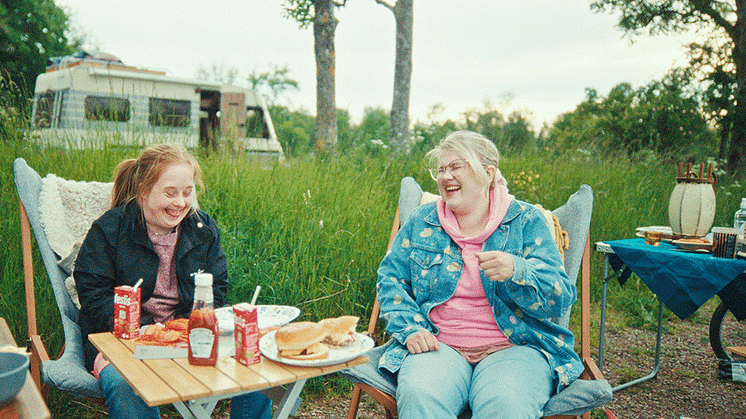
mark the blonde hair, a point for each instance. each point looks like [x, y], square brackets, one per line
[134, 178]
[475, 148]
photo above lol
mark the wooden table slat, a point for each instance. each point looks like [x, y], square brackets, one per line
[241, 374]
[212, 378]
[153, 390]
[181, 381]
[273, 372]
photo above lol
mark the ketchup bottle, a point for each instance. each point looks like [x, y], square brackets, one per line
[203, 325]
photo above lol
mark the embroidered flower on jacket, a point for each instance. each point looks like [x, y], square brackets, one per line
[426, 232]
[405, 243]
[453, 267]
[557, 289]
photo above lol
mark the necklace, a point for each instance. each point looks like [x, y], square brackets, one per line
[172, 231]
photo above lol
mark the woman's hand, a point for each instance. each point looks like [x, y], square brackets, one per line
[498, 266]
[422, 341]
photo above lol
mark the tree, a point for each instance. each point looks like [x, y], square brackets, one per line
[663, 116]
[324, 25]
[404, 16]
[724, 18]
[217, 72]
[30, 33]
[272, 84]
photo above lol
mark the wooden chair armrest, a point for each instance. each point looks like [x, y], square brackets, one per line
[38, 355]
[37, 348]
[592, 372]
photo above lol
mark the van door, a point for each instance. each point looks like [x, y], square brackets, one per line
[209, 105]
[232, 116]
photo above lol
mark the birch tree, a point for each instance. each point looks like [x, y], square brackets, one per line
[324, 24]
[399, 121]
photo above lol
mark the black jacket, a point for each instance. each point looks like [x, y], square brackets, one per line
[117, 251]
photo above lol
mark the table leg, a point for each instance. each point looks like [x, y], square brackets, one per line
[196, 409]
[602, 329]
[203, 408]
[287, 403]
[654, 372]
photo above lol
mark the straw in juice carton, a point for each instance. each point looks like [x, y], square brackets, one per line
[127, 311]
[246, 331]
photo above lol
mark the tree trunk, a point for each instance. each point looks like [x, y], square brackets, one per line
[399, 121]
[737, 152]
[324, 25]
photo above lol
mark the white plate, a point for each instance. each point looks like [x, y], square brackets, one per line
[692, 246]
[269, 316]
[640, 232]
[360, 346]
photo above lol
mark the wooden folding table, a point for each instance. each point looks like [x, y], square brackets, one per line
[195, 391]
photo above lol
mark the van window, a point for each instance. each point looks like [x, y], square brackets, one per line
[103, 108]
[255, 126]
[44, 109]
[170, 113]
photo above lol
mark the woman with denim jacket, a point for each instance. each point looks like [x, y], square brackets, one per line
[469, 290]
[156, 232]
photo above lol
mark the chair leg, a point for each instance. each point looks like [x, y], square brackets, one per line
[354, 402]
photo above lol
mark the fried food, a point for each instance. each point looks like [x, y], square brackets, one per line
[170, 334]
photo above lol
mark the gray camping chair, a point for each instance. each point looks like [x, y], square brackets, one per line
[582, 395]
[67, 373]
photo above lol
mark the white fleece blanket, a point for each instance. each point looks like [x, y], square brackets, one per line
[67, 209]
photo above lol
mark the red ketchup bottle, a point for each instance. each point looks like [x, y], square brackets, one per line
[203, 325]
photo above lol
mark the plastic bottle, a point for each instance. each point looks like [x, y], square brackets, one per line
[739, 223]
[203, 325]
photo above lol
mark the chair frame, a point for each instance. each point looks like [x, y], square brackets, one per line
[38, 351]
[592, 372]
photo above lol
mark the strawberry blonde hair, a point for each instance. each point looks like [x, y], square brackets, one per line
[134, 178]
[473, 147]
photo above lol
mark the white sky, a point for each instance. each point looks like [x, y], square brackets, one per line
[544, 53]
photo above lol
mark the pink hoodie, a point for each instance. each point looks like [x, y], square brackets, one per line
[466, 320]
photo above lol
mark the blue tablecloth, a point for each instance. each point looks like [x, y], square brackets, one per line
[682, 280]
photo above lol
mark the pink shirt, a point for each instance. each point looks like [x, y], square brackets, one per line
[165, 296]
[466, 320]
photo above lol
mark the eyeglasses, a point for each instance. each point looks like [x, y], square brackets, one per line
[455, 168]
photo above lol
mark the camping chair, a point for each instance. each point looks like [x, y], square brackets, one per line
[581, 396]
[67, 373]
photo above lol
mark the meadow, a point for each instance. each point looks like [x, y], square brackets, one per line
[312, 230]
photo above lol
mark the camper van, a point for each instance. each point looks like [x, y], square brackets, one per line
[84, 100]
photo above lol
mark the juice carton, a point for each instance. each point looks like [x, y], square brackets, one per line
[246, 333]
[126, 312]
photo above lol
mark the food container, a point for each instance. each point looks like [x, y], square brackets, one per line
[724, 242]
[127, 312]
[246, 333]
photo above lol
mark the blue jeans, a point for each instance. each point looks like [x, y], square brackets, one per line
[514, 382]
[123, 403]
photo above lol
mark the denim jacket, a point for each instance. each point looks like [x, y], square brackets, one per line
[424, 265]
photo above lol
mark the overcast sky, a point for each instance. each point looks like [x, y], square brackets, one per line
[543, 53]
